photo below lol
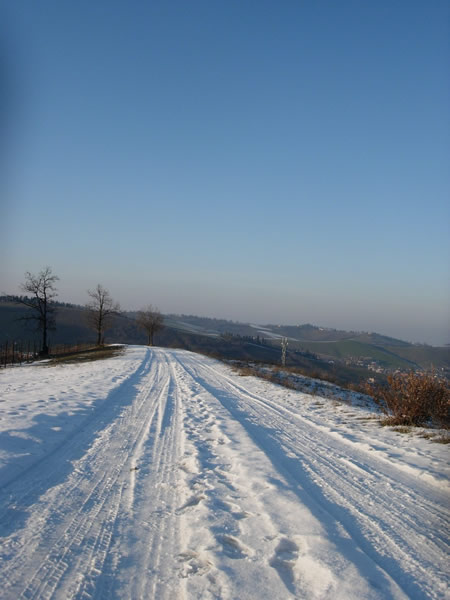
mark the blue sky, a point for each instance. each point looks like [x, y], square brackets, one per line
[282, 162]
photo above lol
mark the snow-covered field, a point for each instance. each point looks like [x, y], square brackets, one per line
[160, 474]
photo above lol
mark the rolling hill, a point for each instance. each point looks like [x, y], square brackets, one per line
[310, 347]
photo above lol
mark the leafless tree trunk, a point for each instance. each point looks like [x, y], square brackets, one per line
[42, 291]
[100, 311]
[151, 320]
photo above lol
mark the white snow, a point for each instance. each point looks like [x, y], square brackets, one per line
[162, 474]
[268, 333]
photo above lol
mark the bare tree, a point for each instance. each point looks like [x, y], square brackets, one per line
[151, 320]
[41, 291]
[100, 311]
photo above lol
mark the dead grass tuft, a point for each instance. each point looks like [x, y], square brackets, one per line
[442, 439]
[402, 429]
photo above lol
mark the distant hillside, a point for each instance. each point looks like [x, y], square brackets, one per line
[425, 356]
[352, 348]
[328, 344]
[71, 326]
[379, 340]
[308, 345]
[307, 332]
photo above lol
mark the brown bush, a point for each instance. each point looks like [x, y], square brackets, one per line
[414, 399]
[246, 371]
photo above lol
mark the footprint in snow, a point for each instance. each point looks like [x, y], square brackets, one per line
[193, 501]
[189, 465]
[286, 555]
[232, 547]
[194, 564]
[234, 509]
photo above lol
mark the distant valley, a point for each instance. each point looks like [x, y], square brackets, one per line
[344, 356]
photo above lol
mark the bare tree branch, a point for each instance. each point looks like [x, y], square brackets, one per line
[42, 291]
[151, 320]
[100, 311]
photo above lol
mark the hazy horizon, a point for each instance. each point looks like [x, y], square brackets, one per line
[276, 163]
[258, 317]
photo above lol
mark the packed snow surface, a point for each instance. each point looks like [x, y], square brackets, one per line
[161, 474]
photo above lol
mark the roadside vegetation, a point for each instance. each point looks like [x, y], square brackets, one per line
[407, 402]
[309, 382]
[418, 399]
[87, 355]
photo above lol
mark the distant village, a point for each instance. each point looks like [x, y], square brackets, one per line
[373, 365]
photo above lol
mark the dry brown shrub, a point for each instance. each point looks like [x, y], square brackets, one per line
[442, 439]
[414, 399]
[246, 371]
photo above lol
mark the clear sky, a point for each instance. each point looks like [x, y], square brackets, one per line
[266, 161]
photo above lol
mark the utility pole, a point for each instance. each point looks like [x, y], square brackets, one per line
[284, 345]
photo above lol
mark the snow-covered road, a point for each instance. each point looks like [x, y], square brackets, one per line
[161, 474]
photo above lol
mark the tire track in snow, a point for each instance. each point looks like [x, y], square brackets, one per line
[382, 530]
[162, 541]
[203, 484]
[127, 488]
[252, 550]
[184, 485]
[87, 489]
[44, 484]
[94, 491]
[144, 546]
[368, 476]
